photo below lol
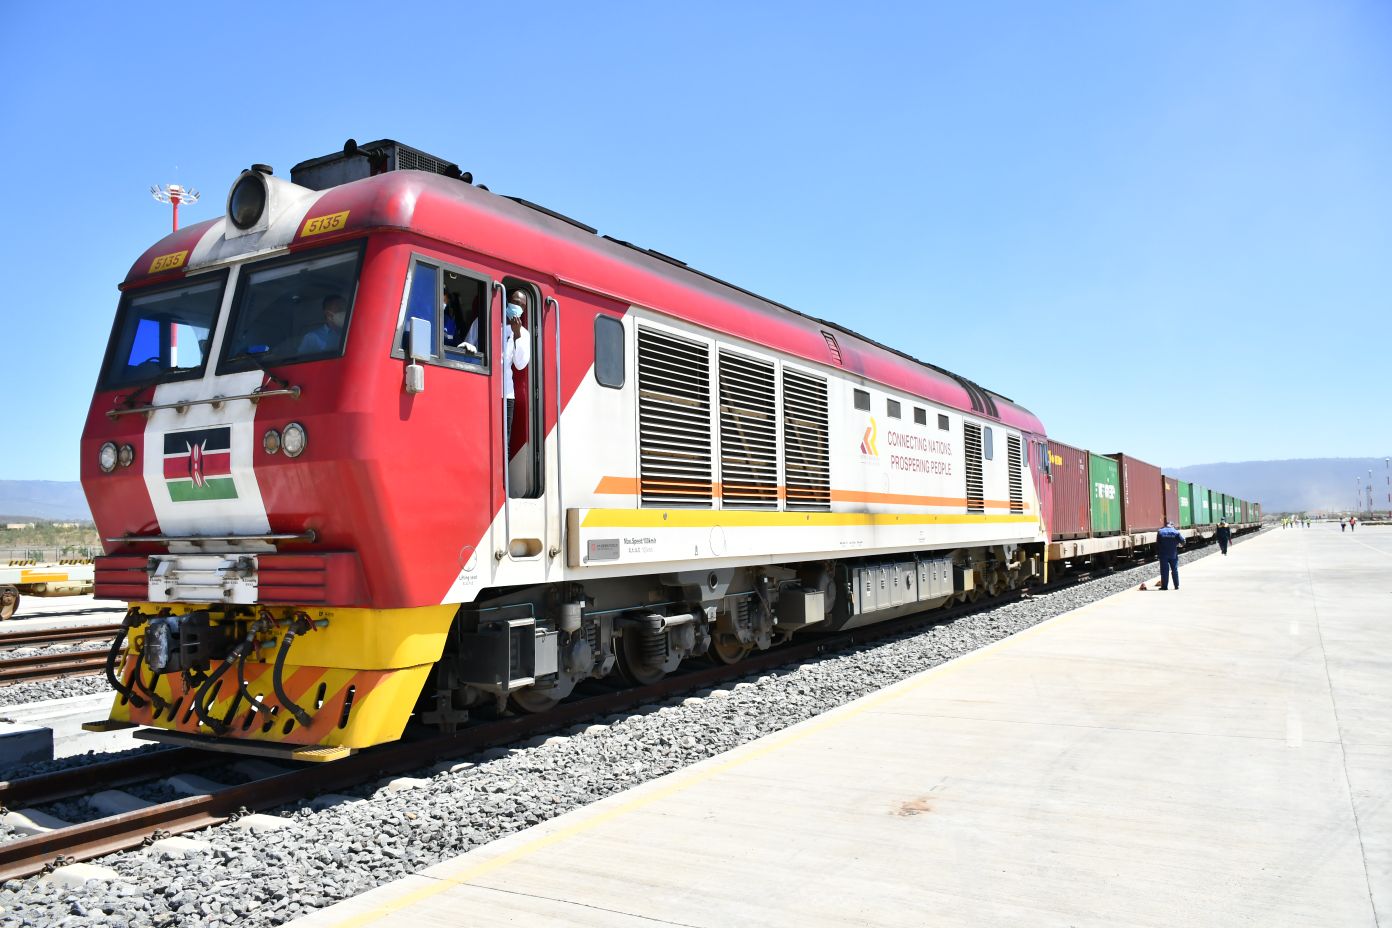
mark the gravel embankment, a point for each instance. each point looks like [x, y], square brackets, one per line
[268, 878]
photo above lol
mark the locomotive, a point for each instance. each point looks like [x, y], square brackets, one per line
[336, 498]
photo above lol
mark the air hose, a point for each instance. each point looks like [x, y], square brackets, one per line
[133, 620]
[300, 626]
[235, 656]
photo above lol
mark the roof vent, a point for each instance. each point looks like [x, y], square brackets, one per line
[834, 348]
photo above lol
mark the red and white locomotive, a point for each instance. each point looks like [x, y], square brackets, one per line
[296, 453]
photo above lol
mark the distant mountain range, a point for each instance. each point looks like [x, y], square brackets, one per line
[1303, 485]
[1280, 486]
[56, 500]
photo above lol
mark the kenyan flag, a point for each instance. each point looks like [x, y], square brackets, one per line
[198, 464]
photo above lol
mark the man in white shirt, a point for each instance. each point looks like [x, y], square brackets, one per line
[517, 354]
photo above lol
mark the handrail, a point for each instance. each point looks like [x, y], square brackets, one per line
[556, 464]
[306, 535]
[255, 396]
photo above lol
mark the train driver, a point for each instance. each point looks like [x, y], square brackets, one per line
[327, 335]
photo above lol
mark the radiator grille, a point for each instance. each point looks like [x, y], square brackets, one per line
[674, 420]
[748, 432]
[806, 441]
[1017, 485]
[976, 494]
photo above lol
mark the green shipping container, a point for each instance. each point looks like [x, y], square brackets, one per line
[1198, 505]
[1105, 476]
[1186, 512]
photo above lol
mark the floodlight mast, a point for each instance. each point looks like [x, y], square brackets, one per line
[174, 194]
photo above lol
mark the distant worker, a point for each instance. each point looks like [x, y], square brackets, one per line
[1353, 523]
[328, 334]
[1343, 524]
[1224, 536]
[1167, 544]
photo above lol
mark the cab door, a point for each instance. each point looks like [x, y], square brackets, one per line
[527, 363]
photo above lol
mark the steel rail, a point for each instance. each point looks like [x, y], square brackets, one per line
[119, 771]
[31, 639]
[51, 666]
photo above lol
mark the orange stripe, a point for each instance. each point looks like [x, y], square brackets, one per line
[629, 486]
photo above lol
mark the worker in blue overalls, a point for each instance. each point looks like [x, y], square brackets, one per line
[1167, 544]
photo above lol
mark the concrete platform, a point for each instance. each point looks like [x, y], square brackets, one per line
[1220, 755]
[64, 717]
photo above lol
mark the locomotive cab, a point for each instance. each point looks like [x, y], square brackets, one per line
[271, 487]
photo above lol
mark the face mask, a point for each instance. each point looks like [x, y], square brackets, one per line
[336, 320]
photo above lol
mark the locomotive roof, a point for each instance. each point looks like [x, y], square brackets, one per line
[576, 256]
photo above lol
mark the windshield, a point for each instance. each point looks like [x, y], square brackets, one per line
[290, 311]
[162, 333]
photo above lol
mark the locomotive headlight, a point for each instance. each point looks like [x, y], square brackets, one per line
[293, 440]
[125, 455]
[106, 457]
[247, 201]
[270, 442]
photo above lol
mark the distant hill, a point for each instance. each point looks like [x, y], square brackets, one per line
[22, 500]
[1302, 485]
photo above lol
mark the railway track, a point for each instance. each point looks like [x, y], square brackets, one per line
[45, 637]
[51, 666]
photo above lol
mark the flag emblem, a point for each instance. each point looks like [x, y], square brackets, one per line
[198, 464]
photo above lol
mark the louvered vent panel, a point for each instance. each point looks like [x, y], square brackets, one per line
[748, 433]
[674, 435]
[832, 346]
[1017, 485]
[806, 442]
[976, 493]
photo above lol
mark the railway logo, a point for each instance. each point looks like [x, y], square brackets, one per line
[867, 443]
[198, 465]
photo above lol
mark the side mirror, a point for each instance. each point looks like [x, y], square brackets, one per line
[421, 340]
[421, 348]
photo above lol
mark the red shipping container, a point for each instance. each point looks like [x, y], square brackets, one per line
[1171, 499]
[1068, 476]
[1142, 495]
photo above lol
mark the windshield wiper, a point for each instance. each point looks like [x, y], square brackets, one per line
[162, 377]
[255, 358]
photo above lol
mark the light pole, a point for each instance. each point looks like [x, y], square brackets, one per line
[174, 194]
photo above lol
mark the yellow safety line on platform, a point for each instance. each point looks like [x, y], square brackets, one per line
[687, 779]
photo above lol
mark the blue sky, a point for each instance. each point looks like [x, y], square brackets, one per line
[1164, 227]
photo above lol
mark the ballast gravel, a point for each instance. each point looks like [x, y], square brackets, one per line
[255, 878]
[40, 690]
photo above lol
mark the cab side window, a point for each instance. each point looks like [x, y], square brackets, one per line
[456, 306]
[464, 325]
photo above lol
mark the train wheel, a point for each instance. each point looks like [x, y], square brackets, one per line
[634, 666]
[726, 649]
[9, 602]
[533, 702]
